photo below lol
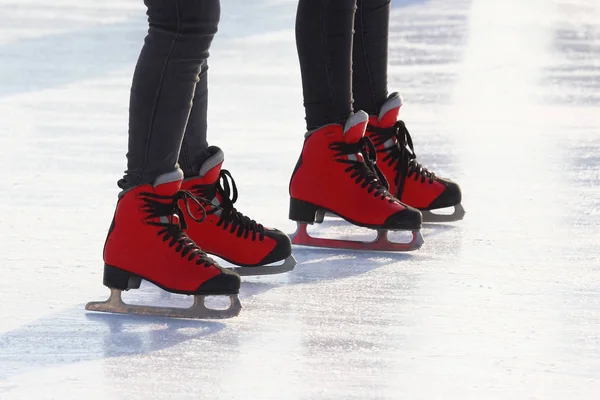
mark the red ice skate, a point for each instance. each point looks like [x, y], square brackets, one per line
[337, 173]
[145, 241]
[408, 180]
[229, 234]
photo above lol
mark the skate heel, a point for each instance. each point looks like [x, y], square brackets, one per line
[303, 212]
[116, 278]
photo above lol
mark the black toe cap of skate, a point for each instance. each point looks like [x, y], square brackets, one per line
[449, 197]
[408, 219]
[227, 282]
[281, 251]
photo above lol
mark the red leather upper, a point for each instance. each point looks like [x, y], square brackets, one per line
[415, 193]
[135, 246]
[218, 241]
[323, 181]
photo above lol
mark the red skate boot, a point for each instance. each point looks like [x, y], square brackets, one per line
[409, 181]
[337, 173]
[145, 241]
[229, 234]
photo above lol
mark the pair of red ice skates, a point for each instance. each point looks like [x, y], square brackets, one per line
[162, 233]
[364, 172]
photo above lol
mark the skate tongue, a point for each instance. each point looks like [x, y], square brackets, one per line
[354, 128]
[211, 167]
[209, 174]
[168, 184]
[388, 115]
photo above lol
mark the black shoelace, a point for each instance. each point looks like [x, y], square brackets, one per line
[160, 207]
[230, 218]
[365, 172]
[402, 155]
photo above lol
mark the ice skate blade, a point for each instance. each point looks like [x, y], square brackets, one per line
[287, 266]
[198, 310]
[457, 215]
[381, 242]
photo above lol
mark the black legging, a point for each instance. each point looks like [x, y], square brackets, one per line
[169, 94]
[335, 64]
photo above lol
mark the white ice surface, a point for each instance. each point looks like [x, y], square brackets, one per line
[502, 96]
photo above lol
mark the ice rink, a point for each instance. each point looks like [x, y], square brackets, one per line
[501, 96]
